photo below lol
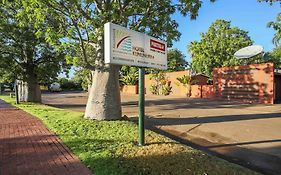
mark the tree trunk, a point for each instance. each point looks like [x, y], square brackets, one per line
[29, 91]
[33, 93]
[104, 96]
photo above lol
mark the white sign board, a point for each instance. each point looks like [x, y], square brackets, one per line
[127, 47]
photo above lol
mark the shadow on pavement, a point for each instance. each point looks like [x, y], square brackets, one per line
[244, 143]
[212, 119]
[185, 103]
[252, 159]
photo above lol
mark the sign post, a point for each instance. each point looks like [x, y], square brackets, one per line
[141, 106]
[123, 46]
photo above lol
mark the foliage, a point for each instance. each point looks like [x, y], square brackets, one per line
[184, 80]
[166, 88]
[276, 25]
[274, 56]
[162, 84]
[129, 75]
[217, 47]
[67, 84]
[80, 24]
[154, 89]
[6, 76]
[109, 147]
[24, 54]
[176, 60]
[83, 77]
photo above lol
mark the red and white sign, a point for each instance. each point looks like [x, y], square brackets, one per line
[157, 45]
[128, 47]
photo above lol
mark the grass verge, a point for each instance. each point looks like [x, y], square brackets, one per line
[109, 147]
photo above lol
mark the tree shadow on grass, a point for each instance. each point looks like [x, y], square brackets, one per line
[155, 158]
[81, 107]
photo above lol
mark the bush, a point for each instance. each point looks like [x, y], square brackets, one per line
[162, 85]
[66, 84]
[184, 80]
[129, 75]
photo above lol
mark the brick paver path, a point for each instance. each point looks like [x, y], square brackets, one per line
[27, 147]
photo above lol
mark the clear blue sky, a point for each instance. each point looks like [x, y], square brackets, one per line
[248, 15]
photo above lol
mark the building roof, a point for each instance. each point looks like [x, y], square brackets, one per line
[200, 75]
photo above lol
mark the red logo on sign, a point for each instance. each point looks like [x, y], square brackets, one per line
[157, 45]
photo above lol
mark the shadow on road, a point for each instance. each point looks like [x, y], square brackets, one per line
[212, 119]
[185, 103]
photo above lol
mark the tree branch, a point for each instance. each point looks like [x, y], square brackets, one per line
[83, 12]
[98, 4]
[85, 57]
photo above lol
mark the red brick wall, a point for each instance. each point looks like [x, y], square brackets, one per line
[248, 82]
[202, 91]
[177, 88]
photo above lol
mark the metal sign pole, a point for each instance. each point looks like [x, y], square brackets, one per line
[141, 106]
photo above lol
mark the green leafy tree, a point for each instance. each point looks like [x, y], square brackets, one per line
[176, 60]
[276, 25]
[217, 47]
[69, 84]
[24, 54]
[84, 77]
[81, 22]
[274, 56]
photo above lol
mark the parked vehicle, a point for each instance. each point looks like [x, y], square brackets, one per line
[55, 87]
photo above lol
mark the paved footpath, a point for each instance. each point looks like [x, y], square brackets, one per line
[27, 147]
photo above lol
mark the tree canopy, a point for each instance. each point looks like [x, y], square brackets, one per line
[34, 30]
[80, 25]
[276, 25]
[80, 22]
[274, 56]
[24, 54]
[176, 60]
[217, 47]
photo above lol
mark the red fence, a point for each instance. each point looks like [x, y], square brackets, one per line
[249, 82]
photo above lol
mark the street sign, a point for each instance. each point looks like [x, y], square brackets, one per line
[127, 47]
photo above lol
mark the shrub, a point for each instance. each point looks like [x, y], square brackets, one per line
[184, 80]
[129, 75]
[162, 84]
[66, 84]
